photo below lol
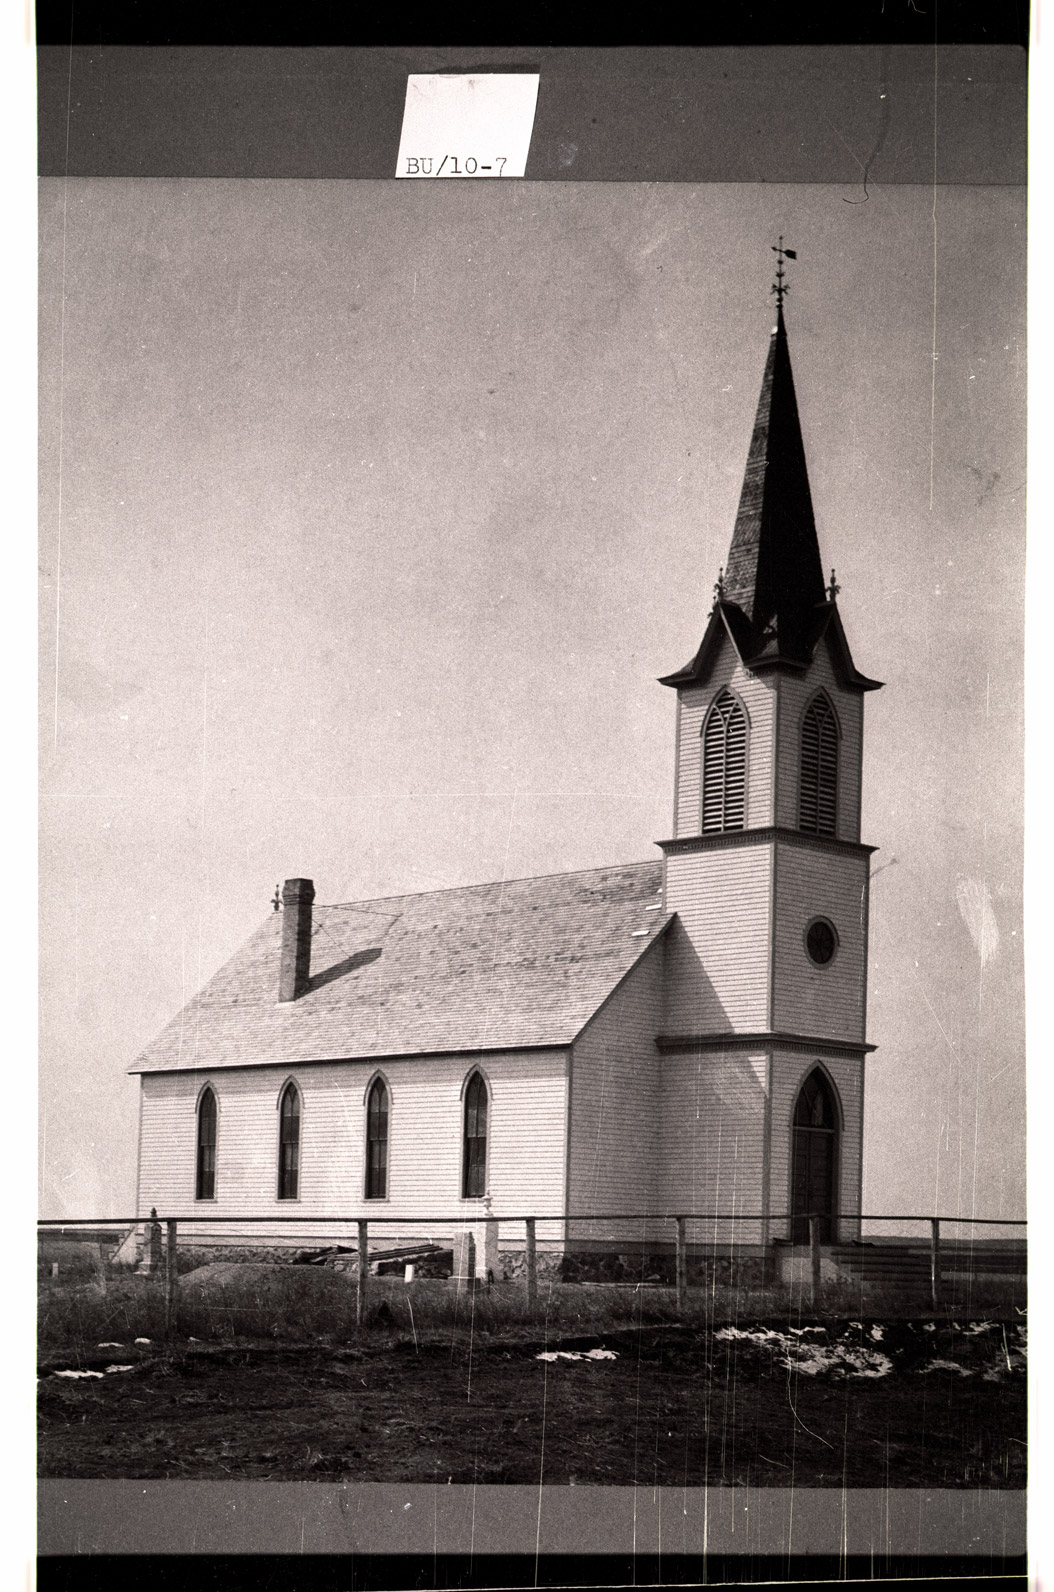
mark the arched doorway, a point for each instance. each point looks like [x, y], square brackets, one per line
[814, 1158]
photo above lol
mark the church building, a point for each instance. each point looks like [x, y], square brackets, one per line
[683, 1036]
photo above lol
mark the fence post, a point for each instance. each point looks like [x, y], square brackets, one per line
[935, 1261]
[152, 1243]
[362, 1275]
[532, 1266]
[814, 1255]
[170, 1277]
[681, 1274]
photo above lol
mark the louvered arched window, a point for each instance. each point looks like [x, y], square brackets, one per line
[377, 1141]
[818, 801]
[724, 765]
[205, 1180]
[289, 1144]
[474, 1159]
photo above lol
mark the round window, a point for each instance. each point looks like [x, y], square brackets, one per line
[821, 941]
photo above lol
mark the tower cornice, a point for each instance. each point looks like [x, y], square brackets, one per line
[723, 839]
[763, 1039]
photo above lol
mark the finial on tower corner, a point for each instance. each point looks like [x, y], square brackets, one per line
[779, 287]
[834, 588]
[719, 587]
[276, 900]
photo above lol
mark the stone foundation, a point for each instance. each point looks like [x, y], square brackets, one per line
[753, 1270]
[512, 1265]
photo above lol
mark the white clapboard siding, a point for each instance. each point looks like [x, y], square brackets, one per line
[526, 1139]
[718, 952]
[789, 1071]
[795, 694]
[615, 1075]
[713, 1141]
[826, 1001]
[757, 693]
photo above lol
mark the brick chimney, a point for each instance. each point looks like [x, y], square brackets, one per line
[295, 966]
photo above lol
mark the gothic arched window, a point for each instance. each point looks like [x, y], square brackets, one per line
[815, 1107]
[814, 1159]
[725, 765]
[205, 1180]
[289, 1143]
[474, 1155]
[377, 1141]
[818, 792]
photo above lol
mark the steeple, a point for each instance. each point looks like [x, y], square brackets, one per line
[771, 596]
[773, 573]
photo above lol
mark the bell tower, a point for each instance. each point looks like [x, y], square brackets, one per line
[764, 1037]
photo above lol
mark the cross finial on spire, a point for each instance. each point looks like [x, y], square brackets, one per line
[779, 287]
[719, 587]
[834, 588]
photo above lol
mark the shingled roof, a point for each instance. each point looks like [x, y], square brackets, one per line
[522, 962]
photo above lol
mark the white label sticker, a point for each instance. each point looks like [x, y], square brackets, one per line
[467, 126]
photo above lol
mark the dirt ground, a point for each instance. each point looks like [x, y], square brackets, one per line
[908, 1404]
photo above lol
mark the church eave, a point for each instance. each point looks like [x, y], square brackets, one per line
[723, 621]
[727, 619]
[350, 1057]
[851, 676]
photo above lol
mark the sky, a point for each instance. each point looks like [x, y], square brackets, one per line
[371, 513]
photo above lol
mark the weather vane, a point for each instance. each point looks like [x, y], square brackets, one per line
[779, 287]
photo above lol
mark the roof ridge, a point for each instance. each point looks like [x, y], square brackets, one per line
[488, 884]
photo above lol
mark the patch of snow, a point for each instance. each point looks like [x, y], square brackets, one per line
[78, 1373]
[109, 1345]
[877, 1333]
[979, 1326]
[142, 1340]
[946, 1365]
[813, 1358]
[758, 1335]
[572, 1354]
[120, 1368]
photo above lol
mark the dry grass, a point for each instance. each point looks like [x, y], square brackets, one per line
[298, 1304]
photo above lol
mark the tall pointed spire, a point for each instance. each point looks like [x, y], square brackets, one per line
[773, 573]
[772, 598]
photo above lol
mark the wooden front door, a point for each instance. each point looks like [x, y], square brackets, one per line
[814, 1159]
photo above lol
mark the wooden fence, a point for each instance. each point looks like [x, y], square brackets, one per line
[942, 1255]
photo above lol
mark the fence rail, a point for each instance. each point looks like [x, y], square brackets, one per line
[939, 1244]
[462, 1218]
